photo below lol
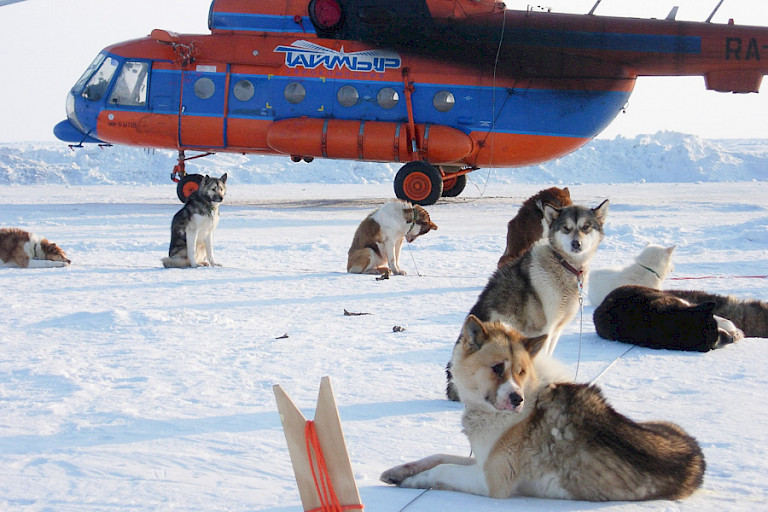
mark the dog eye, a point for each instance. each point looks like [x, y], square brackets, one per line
[498, 369]
[521, 372]
[567, 230]
[586, 228]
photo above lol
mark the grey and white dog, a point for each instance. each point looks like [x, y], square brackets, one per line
[193, 226]
[538, 294]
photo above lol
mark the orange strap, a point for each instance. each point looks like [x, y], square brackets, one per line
[323, 485]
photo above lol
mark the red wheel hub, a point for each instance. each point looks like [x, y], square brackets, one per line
[417, 186]
[189, 187]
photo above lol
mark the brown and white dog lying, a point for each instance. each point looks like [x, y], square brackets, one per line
[379, 237]
[533, 434]
[19, 248]
[527, 227]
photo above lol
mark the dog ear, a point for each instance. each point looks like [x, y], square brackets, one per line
[601, 211]
[567, 193]
[550, 213]
[224, 178]
[474, 333]
[671, 249]
[534, 345]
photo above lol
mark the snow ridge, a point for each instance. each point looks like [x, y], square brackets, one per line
[664, 157]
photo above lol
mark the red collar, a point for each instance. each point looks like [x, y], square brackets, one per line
[570, 268]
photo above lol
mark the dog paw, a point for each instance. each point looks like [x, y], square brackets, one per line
[398, 474]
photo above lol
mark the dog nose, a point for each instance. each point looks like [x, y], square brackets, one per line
[575, 245]
[515, 399]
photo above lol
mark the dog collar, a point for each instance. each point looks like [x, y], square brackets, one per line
[413, 222]
[570, 268]
[651, 271]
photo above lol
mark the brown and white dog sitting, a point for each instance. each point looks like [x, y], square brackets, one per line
[19, 248]
[379, 237]
[527, 227]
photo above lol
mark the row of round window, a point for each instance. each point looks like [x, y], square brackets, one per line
[347, 96]
[386, 98]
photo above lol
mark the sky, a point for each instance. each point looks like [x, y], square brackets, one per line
[49, 43]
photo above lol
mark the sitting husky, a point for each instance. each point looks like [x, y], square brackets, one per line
[539, 293]
[660, 319]
[650, 268]
[379, 237]
[193, 226]
[540, 437]
[527, 227]
[19, 248]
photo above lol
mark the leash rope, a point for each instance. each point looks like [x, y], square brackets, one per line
[612, 363]
[329, 502]
[422, 493]
[410, 251]
[715, 277]
[581, 324]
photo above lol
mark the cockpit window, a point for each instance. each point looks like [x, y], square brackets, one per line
[88, 72]
[131, 86]
[99, 82]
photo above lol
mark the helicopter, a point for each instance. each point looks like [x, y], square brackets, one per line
[445, 87]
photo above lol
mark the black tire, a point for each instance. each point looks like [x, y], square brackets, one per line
[419, 183]
[453, 186]
[187, 185]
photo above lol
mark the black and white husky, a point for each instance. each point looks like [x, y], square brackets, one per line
[538, 294]
[193, 226]
[678, 319]
[532, 434]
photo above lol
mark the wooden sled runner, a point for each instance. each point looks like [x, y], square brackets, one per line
[319, 454]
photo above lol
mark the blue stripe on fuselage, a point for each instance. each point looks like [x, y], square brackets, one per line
[552, 112]
[611, 41]
[260, 23]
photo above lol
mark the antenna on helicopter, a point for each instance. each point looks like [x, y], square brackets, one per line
[716, 8]
[672, 14]
[592, 10]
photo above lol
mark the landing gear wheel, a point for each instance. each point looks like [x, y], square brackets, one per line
[419, 182]
[188, 184]
[452, 187]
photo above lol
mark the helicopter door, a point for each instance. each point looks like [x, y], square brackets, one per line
[202, 118]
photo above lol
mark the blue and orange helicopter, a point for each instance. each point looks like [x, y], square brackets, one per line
[443, 86]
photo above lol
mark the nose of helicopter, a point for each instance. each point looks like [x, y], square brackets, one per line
[65, 131]
[71, 129]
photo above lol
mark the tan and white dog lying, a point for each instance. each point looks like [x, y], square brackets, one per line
[379, 237]
[19, 248]
[533, 434]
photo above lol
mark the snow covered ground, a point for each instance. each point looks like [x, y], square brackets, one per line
[128, 387]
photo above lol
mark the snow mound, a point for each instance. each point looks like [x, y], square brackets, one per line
[665, 157]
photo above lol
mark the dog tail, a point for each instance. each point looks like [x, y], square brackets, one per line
[176, 263]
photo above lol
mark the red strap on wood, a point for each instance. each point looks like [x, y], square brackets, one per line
[323, 484]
